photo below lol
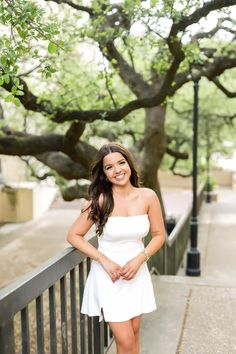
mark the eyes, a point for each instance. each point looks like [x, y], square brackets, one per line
[110, 167]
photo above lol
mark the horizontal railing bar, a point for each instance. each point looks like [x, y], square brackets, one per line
[181, 223]
[178, 227]
[17, 295]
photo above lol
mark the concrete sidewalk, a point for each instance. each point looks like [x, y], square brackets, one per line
[196, 315]
[25, 246]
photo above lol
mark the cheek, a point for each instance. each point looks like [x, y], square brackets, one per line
[128, 169]
[107, 173]
[128, 172]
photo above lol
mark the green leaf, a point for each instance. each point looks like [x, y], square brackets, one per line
[52, 48]
[6, 78]
[16, 101]
[3, 60]
[16, 81]
[19, 93]
[13, 90]
[9, 98]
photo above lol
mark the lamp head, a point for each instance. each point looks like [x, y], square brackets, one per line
[195, 70]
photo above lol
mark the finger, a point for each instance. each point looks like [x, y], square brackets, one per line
[128, 275]
[126, 269]
[114, 276]
[125, 274]
[119, 270]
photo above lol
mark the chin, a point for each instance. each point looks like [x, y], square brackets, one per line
[121, 183]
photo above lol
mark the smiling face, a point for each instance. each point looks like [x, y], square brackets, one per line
[116, 168]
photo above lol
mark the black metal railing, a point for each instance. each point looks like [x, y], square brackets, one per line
[177, 240]
[168, 259]
[40, 312]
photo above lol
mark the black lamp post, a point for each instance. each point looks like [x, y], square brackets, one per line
[1, 117]
[208, 155]
[193, 255]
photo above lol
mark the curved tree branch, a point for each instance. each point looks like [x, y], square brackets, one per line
[75, 192]
[63, 165]
[215, 68]
[224, 89]
[177, 154]
[22, 144]
[133, 79]
[29, 100]
[74, 6]
[30, 145]
[199, 13]
[219, 26]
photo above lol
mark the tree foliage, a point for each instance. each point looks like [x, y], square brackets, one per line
[105, 62]
[216, 125]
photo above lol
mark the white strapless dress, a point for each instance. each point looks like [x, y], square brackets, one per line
[122, 240]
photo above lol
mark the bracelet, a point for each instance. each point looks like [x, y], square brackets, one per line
[97, 259]
[147, 257]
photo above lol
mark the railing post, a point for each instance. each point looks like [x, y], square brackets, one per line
[98, 333]
[7, 337]
[165, 255]
[175, 257]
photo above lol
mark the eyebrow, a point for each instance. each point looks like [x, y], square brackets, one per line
[110, 164]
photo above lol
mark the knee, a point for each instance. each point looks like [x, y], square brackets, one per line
[136, 330]
[127, 344]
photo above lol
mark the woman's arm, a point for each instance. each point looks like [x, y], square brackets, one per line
[157, 227]
[157, 230]
[76, 238]
[77, 232]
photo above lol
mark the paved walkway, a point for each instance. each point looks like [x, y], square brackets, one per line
[25, 246]
[196, 315]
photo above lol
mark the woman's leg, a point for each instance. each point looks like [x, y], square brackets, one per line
[136, 322]
[124, 337]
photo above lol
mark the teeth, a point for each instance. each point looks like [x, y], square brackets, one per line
[120, 176]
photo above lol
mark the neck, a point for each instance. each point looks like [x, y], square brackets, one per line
[122, 191]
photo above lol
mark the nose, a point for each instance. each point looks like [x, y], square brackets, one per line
[117, 169]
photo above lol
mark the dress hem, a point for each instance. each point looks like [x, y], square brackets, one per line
[101, 317]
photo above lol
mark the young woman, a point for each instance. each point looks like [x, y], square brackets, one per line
[119, 285]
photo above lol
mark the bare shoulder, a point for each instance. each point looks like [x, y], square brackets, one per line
[86, 206]
[148, 197]
[148, 194]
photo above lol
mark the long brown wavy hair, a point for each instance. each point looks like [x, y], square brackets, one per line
[100, 186]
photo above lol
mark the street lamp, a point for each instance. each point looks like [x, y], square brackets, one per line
[208, 155]
[1, 117]
[193, 255]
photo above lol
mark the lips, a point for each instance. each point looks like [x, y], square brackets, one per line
[120, 177]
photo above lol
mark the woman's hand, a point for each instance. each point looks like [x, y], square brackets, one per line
[113, 269]
[131, 267]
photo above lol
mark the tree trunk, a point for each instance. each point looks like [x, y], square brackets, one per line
[154, 148]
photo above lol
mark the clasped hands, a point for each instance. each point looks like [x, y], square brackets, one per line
[126, 272]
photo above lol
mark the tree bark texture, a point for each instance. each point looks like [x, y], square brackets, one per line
[154, 147]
